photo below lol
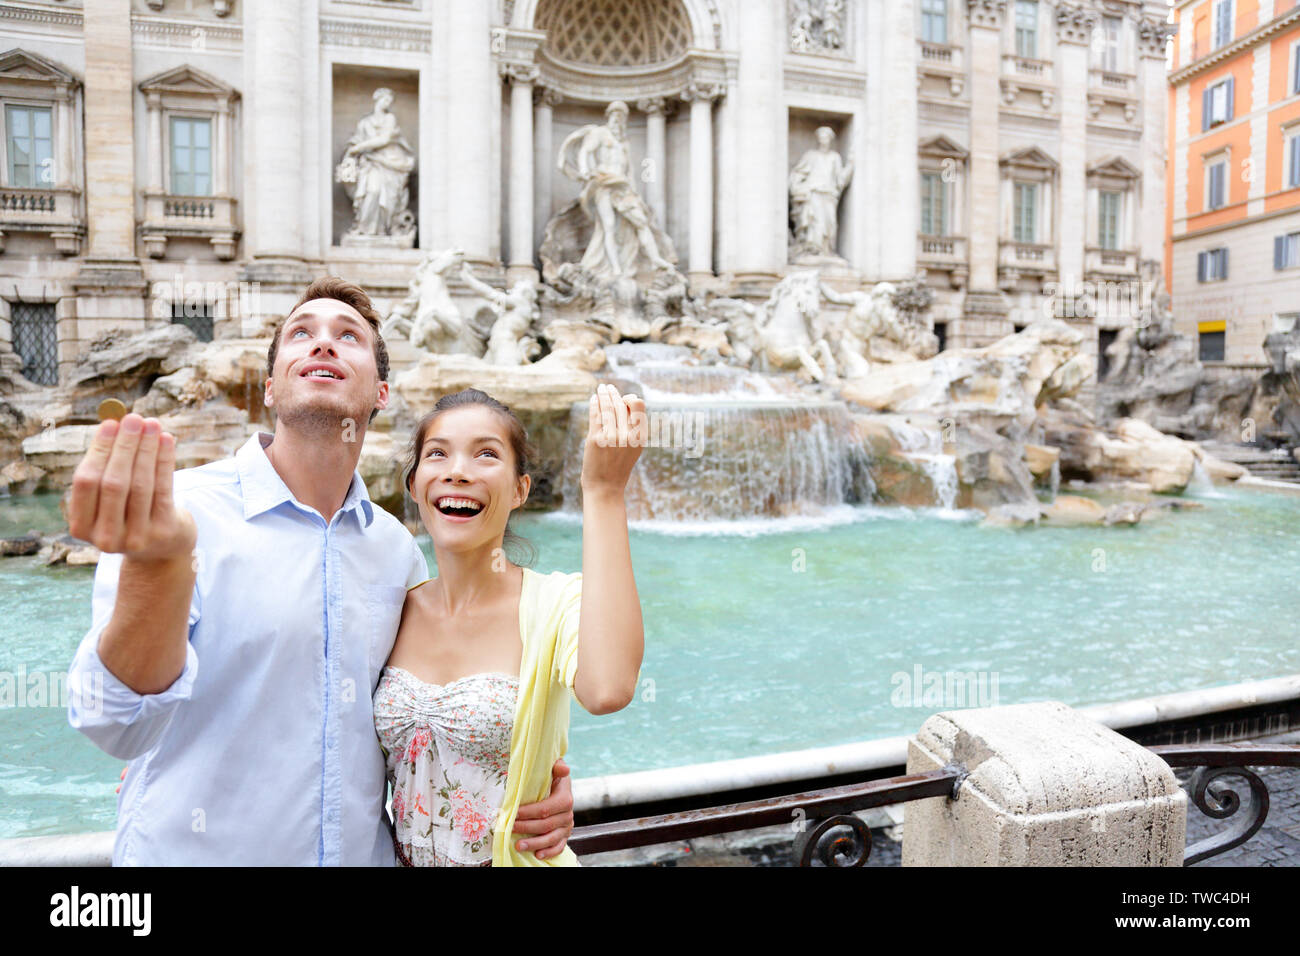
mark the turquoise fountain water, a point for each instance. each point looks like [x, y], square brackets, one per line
[766, 636]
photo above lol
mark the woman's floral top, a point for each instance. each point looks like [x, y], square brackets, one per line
[447, 749]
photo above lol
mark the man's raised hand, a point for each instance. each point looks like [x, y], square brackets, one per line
[121, 497]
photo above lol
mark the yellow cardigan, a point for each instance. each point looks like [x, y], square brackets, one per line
[548, 626]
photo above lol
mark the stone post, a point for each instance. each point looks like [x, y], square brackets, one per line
[1047, 786]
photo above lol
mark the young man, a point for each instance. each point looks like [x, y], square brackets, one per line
[241, 625]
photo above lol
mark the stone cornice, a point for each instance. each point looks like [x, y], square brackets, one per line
[821, 79]
[1229, 50]
[589, 84]
[43, 15]
[197, 35]
[402, 37]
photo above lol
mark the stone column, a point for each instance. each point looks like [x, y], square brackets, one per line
[894, 218]
[521, 79]
[701, 97]
[472, 119]
[1047, 786]
[1150, 194]
[985, 101]
[110, 285]
[656, 153]
[752, 242]
[543, 162]
[275, 158]
[1074, 26]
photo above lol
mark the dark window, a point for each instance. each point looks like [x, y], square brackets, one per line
[1211, 346]
[36, 340]
[1105, 338]
[941, 331]
[195, 316]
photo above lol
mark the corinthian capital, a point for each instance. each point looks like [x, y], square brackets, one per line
[1152, 34]
[519, 72]
[986, 13]
[1074, 23]
[702, 91]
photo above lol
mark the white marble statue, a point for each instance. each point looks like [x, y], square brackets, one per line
[598, 158]
[875, 331]
[428, 316]
[785, 331]
[816, 184]
[509, 342]
[816, 26]
[375, 170]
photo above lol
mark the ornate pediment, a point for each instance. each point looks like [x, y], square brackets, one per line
[28, 67]
[1030, 157]
[942, 146]
[1115, 167]
[187, 80]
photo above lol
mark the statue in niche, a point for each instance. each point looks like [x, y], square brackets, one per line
[816, 184]
[598, 158]
[509, 341]
[374, 171]
[785, 335]
[428, 317]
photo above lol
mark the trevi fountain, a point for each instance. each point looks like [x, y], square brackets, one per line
[826, 499]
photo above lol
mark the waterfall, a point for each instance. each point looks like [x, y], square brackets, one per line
[926, 449]
[1200, 484]
[1055, 476]
[726, 444]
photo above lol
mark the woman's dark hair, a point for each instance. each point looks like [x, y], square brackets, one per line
[519, 550]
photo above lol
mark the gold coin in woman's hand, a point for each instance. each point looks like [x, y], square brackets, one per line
[111, 408]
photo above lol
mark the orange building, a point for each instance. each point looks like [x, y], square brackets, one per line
[1232, 253]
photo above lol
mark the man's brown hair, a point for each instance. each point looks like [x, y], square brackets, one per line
[349, 293]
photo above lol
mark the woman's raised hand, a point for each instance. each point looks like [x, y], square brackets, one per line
[617, 431]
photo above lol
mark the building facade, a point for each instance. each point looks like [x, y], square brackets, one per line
[1042, 163]
[1233, 255]
[182, 160]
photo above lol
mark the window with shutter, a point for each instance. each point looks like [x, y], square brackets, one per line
[1222, 23]
[1200, 267]
[1293, 167]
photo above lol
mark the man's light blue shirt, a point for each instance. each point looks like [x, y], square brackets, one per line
[263, 751]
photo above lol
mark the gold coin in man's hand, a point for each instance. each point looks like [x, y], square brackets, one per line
[111, 408]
